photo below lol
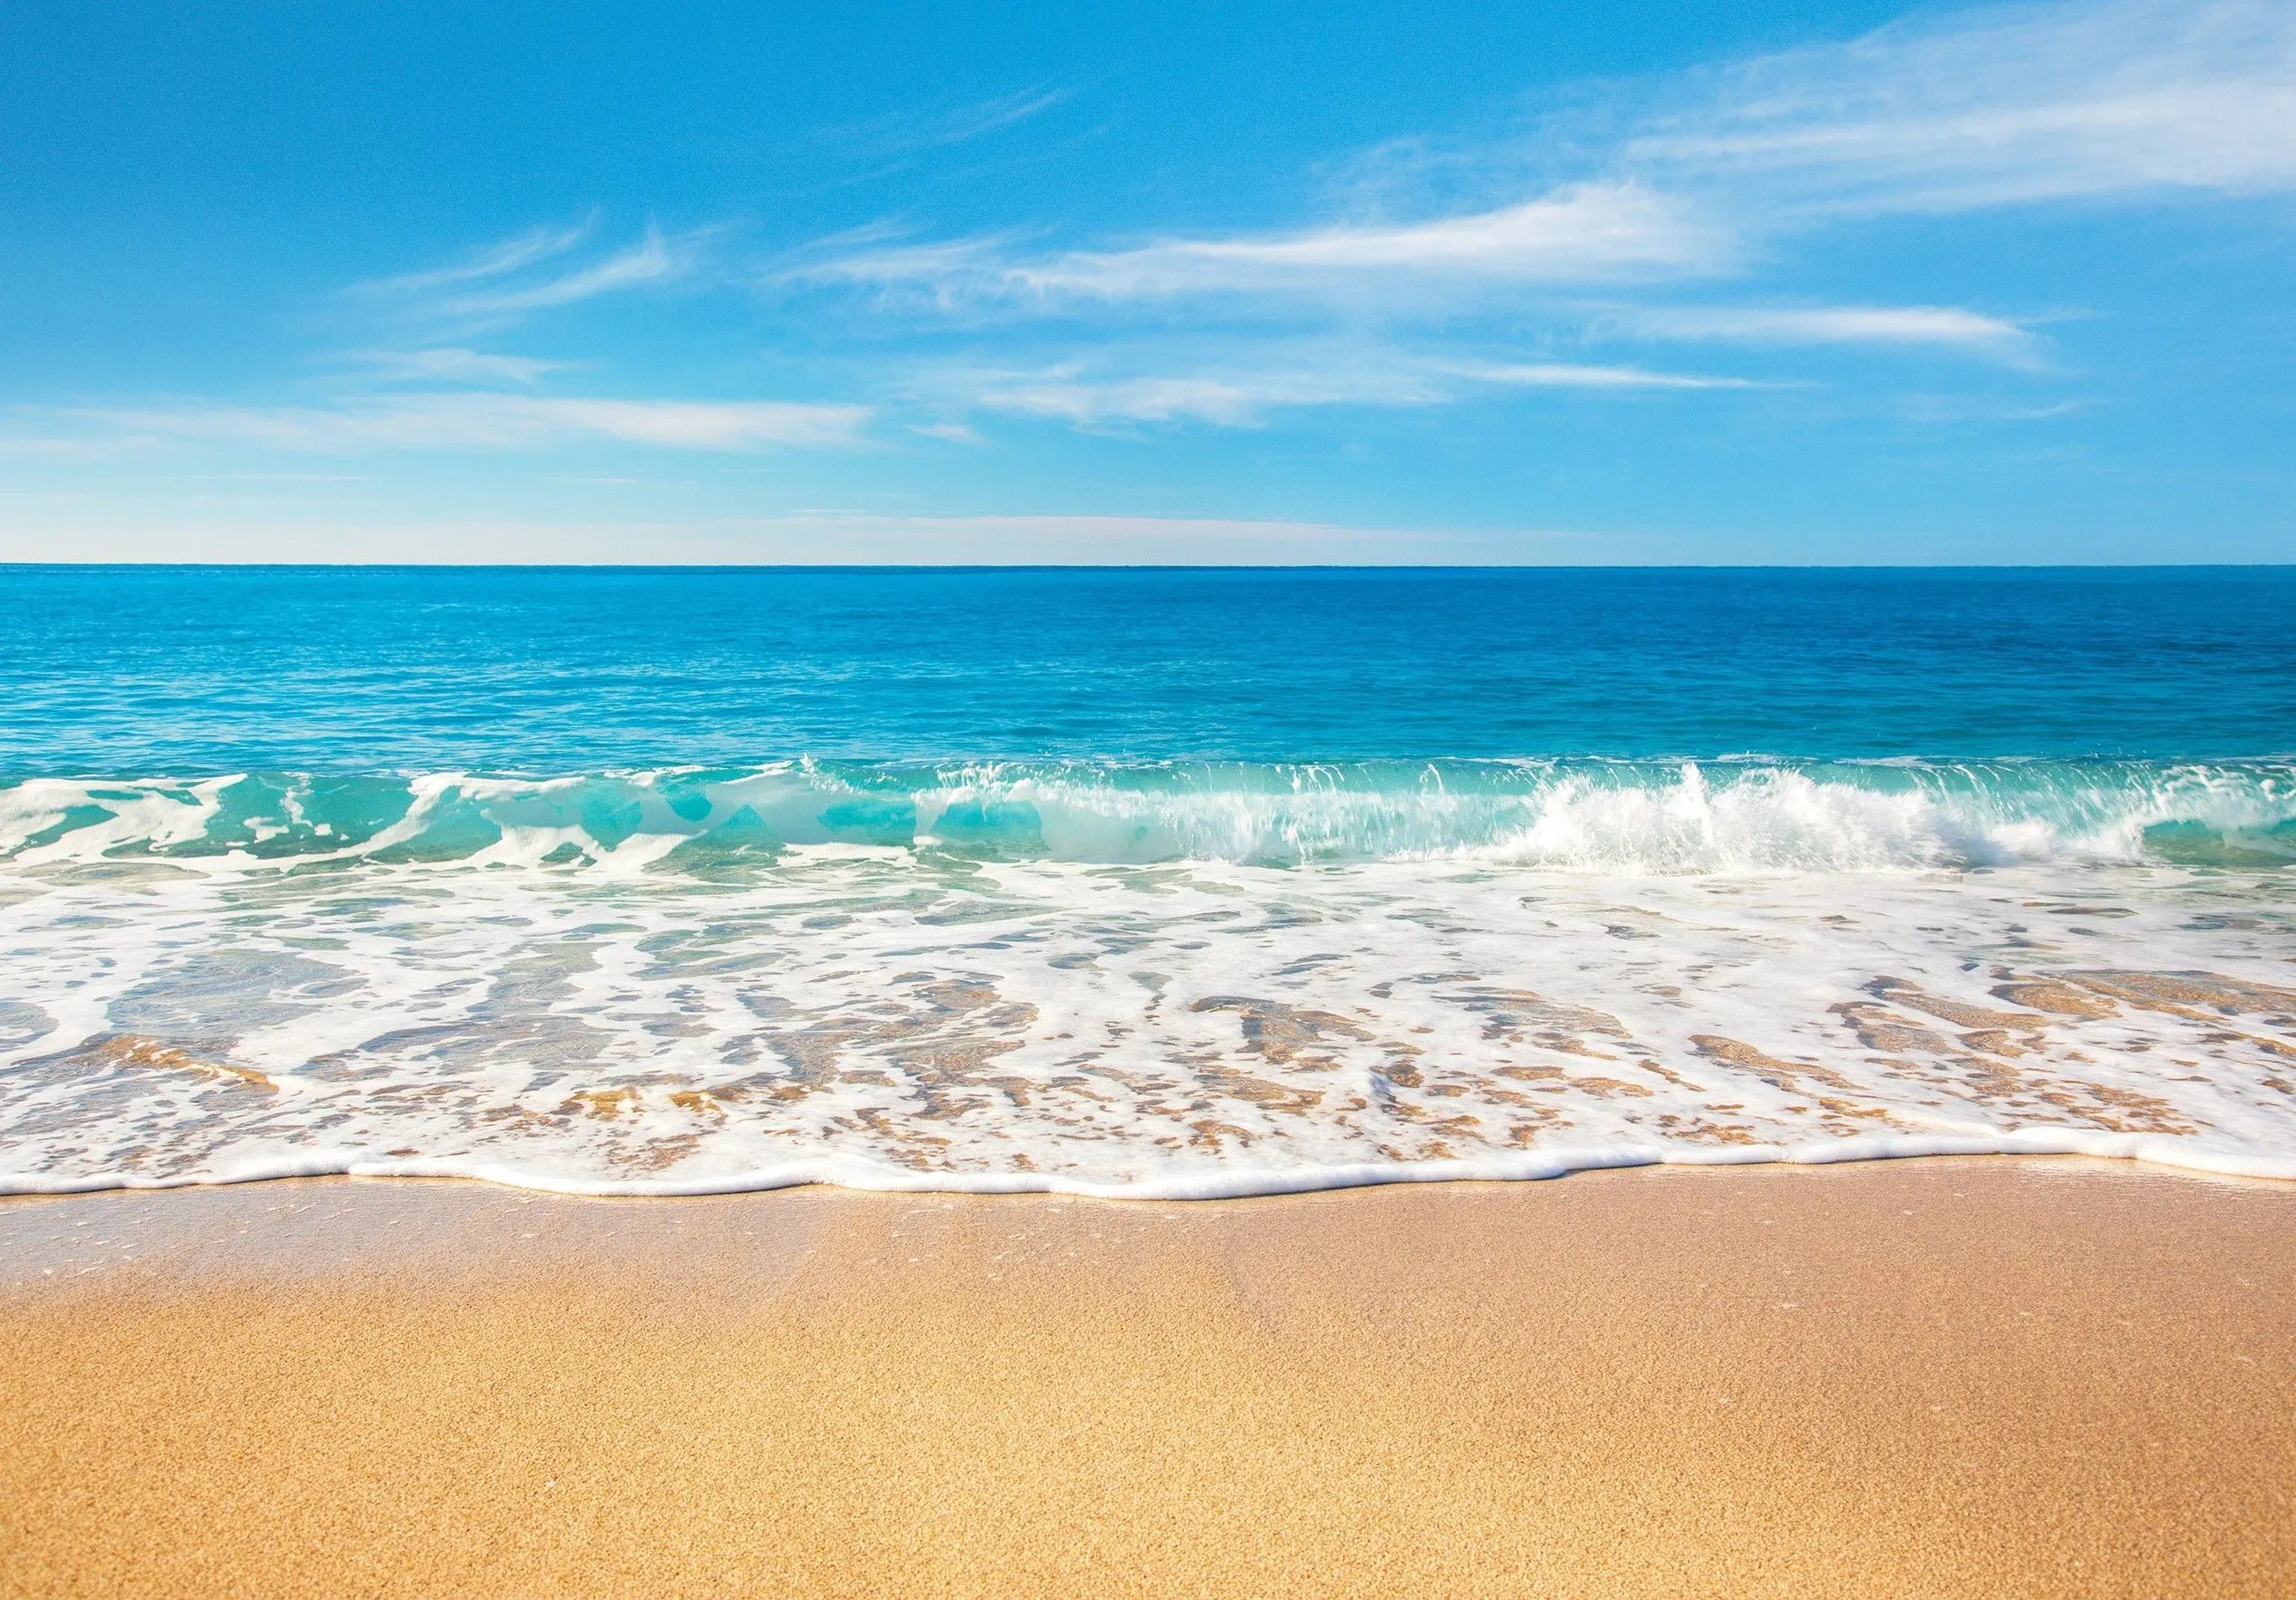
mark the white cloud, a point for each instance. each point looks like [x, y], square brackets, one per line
[955, 433]
[1233, 397]
[970, 122]
[1946, 326]
[656, 259]
[1589, 231]
[1994, 107]
[494, 260]
[500, 282]
[1702, 173]
[935, 126]
[478, 422]
[1585, 232]
[1230, 401]
[450, 365]
[1562, 375]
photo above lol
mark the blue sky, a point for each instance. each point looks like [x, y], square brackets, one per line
[1538, 282]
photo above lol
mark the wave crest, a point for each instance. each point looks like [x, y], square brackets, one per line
[1733, 815]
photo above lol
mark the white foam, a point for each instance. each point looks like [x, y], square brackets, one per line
[1749, 816]
[887, 1018]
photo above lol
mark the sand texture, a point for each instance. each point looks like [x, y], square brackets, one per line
[1936, 1377]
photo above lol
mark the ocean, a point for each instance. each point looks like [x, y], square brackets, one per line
[1151, 883]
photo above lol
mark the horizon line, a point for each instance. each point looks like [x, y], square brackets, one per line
[226, 564]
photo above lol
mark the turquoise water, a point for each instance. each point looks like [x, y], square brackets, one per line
[1131, 716]
[1137, 883]
[195, 671]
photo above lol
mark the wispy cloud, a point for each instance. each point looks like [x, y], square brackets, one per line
[1232, 400]
[1949, 327]
[940, 126]
[1560, 374]
[454, 364]
[1994, 107]
[1234, 397]
[970, 122]
[530, 273]
[470, 421]
[1585, 232]
[956, 433]
[1706, 172]
[656, 259]
[504, 257]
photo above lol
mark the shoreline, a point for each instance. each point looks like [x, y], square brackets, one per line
[1946, 1374]
[2170, 1153]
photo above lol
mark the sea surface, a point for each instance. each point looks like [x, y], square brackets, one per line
[1137, 883]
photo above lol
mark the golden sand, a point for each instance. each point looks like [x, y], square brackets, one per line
[1933, 1377]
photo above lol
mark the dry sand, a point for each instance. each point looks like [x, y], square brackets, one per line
[1984, 1377]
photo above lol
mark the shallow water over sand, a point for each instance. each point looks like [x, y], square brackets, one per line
[891, 1017]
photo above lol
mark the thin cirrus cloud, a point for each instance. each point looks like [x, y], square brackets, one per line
[972, 122]
[1585, 231]
[497, 283]
[451, 363]
[1703, 173]
[1949, 327]
[498, 259]
[1703, 178]
[1245, 398]
[1227, 399]
[1998, 107]
[1564, 374]
[654, 260]
[478, 421]
[940, 127]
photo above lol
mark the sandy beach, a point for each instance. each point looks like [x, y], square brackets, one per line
[1944, 1377]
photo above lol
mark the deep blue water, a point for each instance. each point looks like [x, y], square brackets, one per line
[187, 671]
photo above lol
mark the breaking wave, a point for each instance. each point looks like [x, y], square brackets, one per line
[1729, 816]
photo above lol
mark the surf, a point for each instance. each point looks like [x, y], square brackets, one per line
[1741, 814]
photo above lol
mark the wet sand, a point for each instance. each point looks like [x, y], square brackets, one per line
[1974, 1376]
